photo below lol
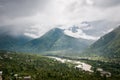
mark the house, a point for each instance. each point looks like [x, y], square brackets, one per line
[1, 75]
[105, 73]
[27, 78]
[99, 69]
[16, 75]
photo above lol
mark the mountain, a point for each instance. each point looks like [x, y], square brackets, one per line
[13, 43]
[56, 41]
[91, 30]
[62, 39]
[109, 44]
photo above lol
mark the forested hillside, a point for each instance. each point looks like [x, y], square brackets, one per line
[16, 66]
[109, 44]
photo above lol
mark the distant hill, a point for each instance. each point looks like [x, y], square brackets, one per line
[12, 43]
[108, 45]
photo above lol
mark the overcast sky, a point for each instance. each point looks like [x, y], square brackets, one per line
[42, 15]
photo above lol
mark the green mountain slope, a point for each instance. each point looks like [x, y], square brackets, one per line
[108, 45]
[56, 40]
[8, 42]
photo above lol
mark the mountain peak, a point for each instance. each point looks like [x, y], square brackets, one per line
[56, 40]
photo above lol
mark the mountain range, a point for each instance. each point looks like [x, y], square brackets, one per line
[56, 41]
[64, 41]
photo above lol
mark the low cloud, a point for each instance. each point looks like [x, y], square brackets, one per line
[21, 15]
[80, 34]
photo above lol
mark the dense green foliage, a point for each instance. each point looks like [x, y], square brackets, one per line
[113, 67]
[40, 68]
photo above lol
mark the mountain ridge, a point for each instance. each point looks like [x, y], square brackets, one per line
[9, 42]
[109, 44]
[56, 40]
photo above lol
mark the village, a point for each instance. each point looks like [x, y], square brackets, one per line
[17, 77]
[77, 65]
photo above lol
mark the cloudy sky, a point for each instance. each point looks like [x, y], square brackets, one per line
[35, 17]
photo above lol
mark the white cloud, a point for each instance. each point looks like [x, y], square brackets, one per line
[105, 32]
[66, 12]
[80, 34]
[55, 12]
[31, 35]
[36, 31]
[90, 2]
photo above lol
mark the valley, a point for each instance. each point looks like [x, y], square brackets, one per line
[59, 40]
[17, 66]
[56, 56]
